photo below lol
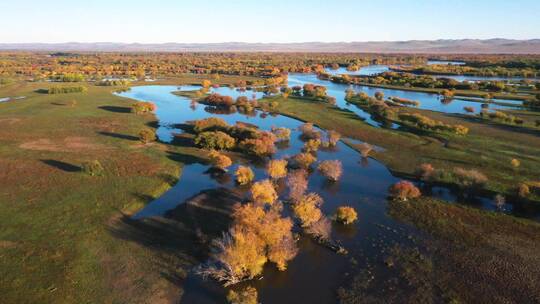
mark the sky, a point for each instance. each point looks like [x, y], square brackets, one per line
[187, 21]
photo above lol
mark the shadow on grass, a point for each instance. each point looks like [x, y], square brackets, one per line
[180, 239]
[67, 167]
[116, 109]
[186, 159]
[120, 136]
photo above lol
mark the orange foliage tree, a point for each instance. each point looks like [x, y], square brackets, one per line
[331, 169]
[264, 192]
[244, 175]
[404, 190]
[277, 168]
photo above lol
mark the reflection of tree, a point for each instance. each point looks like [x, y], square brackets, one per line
[220, 110]
[219, 176]
[446, 100]
[364, 162]
[193, 105]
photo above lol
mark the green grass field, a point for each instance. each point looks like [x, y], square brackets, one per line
[59, 236]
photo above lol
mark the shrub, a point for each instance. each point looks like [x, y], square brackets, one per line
[404, 190]
[261, 146]
[215, 140]
[365, 149]
[66, 90]
[206, 83]
[447, 94]
[277, 168]
[219, 161]
[332, 137]
[263, 192]
[297, 184]
[311, 145]
[211, 123]
[523, 190]
[304, 160]
[346, 215]
[113, 82]
[218, 100]
[425, 172]
[469, 179]
[246, 295]
[92, 168]
[141, 107]
[244, 175]
[468, 109]
[331, 169]
[282, 134]
[147, 135]
[308, 132]
[515, 163]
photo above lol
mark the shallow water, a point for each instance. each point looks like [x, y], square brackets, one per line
[427, 101]
[377, 69]
[445, 62]
[314, 275]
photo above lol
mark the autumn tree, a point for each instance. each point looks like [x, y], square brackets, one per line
[304, 160]
[297, 184]
[206, 83]
[282, 133]
[320, 229]
[244, 175]
[331, 169]
[365, 149]
[307, 209]
[346, 215]
[263, 192]
[277, 168]
[219, 161]
[311, 145]
[215, 140]
[332, 137]
[404, 190]
[425, 172]
[147, 135]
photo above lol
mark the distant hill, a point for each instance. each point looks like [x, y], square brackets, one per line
[488, 46]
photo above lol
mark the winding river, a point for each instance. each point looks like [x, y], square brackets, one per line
[314, 275]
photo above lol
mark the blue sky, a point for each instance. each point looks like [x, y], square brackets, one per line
[155, 21]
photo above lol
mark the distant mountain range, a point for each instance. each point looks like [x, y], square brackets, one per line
[487, 46]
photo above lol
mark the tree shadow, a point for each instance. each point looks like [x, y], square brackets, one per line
[120, 136]
[67, 167]
[116, 109]
[180, 239]
[186, 159]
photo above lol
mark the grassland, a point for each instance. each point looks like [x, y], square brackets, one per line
[460, 93]
[489, 146]
[469, 256]
[65, 236]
